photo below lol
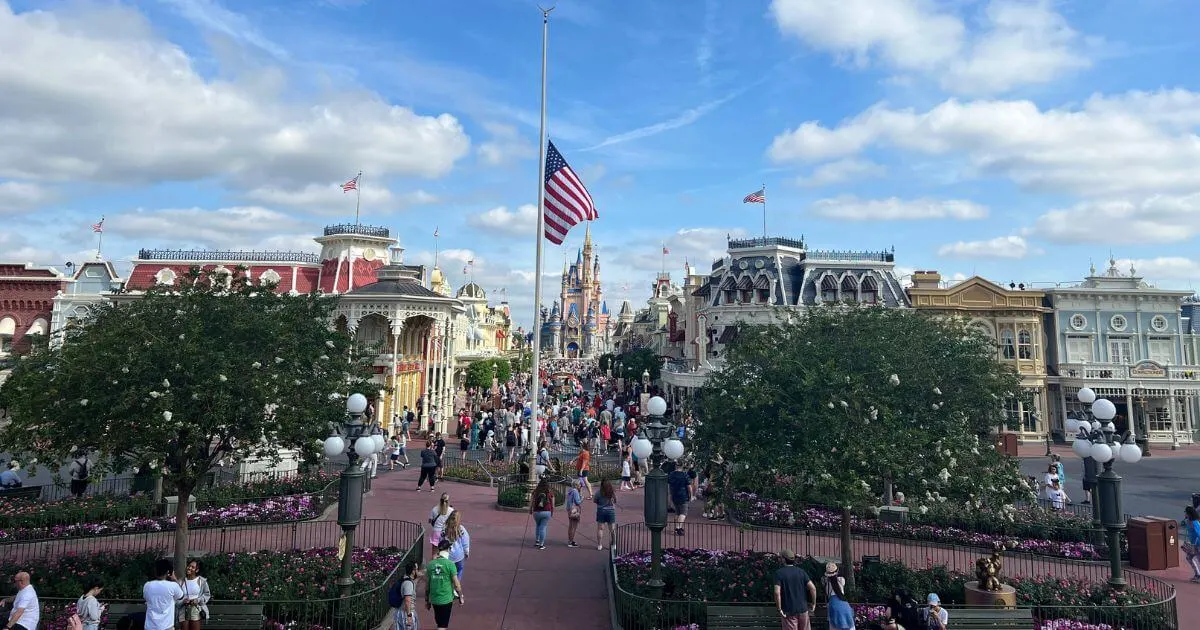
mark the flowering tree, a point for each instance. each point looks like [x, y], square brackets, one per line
[183, 377]
[841, 401]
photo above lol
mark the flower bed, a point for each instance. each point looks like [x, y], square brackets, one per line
[299, 587]
[755, 510]
[293, 508]
[702, 575]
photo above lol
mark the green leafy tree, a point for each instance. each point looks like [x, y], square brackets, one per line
[831, 406]
[184, 376]
[480, 373]
[606, 361]
[635, 362]
[521, 363]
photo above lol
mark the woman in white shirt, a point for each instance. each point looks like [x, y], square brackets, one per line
[437, 520]
[89, 608]
[195, 597]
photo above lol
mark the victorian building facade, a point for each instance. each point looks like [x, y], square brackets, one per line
[578, 323]
[1013, 319]
[384, 304]
[27, 293]
[1129, 342]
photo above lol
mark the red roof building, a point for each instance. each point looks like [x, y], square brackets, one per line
[26, 301]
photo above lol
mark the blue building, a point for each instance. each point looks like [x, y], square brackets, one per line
[1124, 339]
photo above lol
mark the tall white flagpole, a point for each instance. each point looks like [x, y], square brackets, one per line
[764, 205]
[535, 384]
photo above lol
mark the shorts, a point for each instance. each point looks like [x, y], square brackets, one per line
[680, 506]
[624, 478]
[606, 516]
[540, 468]
[583, 474]
[403, 621]
[441, 614]
[191, 613]
[395, 456]
[796, 622]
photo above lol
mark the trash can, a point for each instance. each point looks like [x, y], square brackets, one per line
[1006, 443]
[1153, 543]
[1196, 500]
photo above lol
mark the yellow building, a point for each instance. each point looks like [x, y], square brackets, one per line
[1013, 317]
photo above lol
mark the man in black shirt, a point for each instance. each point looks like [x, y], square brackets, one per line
[795, 595]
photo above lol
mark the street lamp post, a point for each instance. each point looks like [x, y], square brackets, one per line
[355, 441]
[1099, 440]
[653, 443]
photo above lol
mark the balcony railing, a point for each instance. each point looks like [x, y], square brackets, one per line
[363, 230]
[765, 241]
[204, 255]
[853, 256]
[1122, 371]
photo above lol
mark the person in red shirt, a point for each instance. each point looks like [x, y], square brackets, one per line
[583, 465]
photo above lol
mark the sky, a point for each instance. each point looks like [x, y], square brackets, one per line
[1020, 140]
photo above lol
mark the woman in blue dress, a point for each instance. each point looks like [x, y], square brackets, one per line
[841, 616]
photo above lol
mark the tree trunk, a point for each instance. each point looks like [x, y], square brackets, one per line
[847, 551]
[181, 528]
[157, 496]
[889, 496]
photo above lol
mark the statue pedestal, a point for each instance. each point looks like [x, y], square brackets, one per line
[1006, 597]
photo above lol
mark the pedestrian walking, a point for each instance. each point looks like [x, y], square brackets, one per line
[1191, 540]
[78, 471]
[442, 586]
[460, 541]
[439, 447]
[429, 464]
[606, 513]
[88, 607]
[542, 508]
[795, 594]
[437, 520]
[403, 600]
[680, 486]
[574, 511]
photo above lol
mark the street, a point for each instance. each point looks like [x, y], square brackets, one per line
[1155, 486]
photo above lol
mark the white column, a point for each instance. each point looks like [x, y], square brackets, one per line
[427, 378]
[397, 329]
[1173, 409]
[1129, 413]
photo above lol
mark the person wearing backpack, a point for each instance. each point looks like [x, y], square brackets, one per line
[442, 586]
[78, 472]
[402, 597]
[542, 508]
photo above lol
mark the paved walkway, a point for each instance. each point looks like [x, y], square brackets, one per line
[508, 584]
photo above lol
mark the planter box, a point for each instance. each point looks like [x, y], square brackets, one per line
[170, 503]
[893, 514]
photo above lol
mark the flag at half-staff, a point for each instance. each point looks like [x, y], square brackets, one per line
[567, 201]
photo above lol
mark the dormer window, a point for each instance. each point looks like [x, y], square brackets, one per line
[829, 289]
[870, 291]
[165, 276]
[849, 289]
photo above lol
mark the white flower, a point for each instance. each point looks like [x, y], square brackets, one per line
[953, 462]
[826, 476]
[155, 394]
[923, 509]
[115, 382]
[894, 380]
[181, 335]
[167, 416]
[222, 378]
[830, 405]
[324, 357]
[844, 404]
[125, 370]
[278, 359]
[847, 379]
[937, 390]
[874, 413]
[329, 344]
[256, 365]
[195, 396]
[944, 475]
[166, 384]
[934, 406]
[83, 403]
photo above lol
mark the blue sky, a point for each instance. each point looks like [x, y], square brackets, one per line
[1016, 139]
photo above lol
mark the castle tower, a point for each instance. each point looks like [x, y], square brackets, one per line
[350, 255]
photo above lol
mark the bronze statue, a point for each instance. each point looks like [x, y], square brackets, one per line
[987, 570]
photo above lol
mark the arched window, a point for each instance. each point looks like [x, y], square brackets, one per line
[1007, 345]
[1024, 344]
[849, 289]
[829, 289]
[8, 329]
[869, 291]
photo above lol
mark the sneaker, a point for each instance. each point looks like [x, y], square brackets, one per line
[572, 544]
[599, 547]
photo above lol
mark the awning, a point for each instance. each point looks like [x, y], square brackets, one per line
[8, 326]
[38, 328]
[728, 334]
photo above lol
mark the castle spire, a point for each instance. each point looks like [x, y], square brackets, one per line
[587, 238]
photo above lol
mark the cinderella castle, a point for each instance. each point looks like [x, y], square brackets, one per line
[578, 324]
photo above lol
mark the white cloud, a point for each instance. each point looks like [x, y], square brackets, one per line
[18, 197]
[243, 227]
[506, 145]
[1018, 42]
[1011, 247]
[1127, 144]
[1163, 269]
[1156, 219]
[519, 222]
[851, 208]
[330, 200]
[98, 95]
[841, 171]
[211, 16]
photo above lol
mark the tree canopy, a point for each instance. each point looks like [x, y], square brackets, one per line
[184, 376]
[841, 399]
[634, 362]
[480, 373]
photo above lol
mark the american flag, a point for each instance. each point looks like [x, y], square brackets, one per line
[665, 250]
[98, 227]
[352, 184]
[758, 196]
[567, 200]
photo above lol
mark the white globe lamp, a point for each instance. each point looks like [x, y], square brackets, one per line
[1095, 425]
[656, 406]
[356, 404]
[1131, 453]
[1082, 447]
[1104, 409]
[364, 447]
[1102, 453]
[1086, 396]
[334, 446]
[642, 448]
[673, 449]
[378, 440]
[1072, 425]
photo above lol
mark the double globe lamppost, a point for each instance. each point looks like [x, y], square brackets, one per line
[652, 444]
[356, 440]
[1098, 439]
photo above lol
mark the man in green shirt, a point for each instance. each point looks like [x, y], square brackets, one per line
[442, 586]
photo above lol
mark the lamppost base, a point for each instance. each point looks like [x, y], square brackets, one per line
[1117, 584]
[656, 587]
[345, 582]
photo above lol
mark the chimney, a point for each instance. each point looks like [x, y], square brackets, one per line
[926, 279]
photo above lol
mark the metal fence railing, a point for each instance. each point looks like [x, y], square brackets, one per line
[365, 607]
[638, 611]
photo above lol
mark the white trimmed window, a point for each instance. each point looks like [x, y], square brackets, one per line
[1120, 350]
[1079, 349]
[1161, 350]
[1024, 344]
